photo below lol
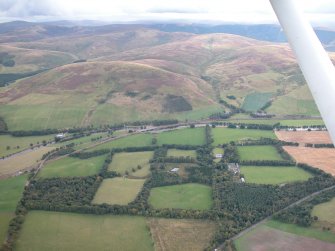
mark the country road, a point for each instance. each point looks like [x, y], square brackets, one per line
[221, 247]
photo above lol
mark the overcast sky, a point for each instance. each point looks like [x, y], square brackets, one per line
[320, 12]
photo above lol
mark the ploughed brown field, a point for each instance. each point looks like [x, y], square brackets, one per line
[322, 158]
[303, 137]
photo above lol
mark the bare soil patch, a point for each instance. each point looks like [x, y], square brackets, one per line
[303, 137]
[323, 158]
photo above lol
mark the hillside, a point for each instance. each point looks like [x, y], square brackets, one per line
[138, 73]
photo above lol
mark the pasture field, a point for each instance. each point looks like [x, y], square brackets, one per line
[325, 211]
[309, 232]
[84, 141]
[274, 175]
[22, 142]
[217, 150]
[265, 237]
[194, 137]
[120, 191]
[301, 122]
[181, 153]
[322, 158]
[255, 101]
[258, 153]
[126, 161]
[181, 234]
[10, 192]
[313, 137]
[226, 135]
[136, 140]
[254, 121]
[5, 218]
[72, 167]
[22, 161]
[185, 196]
[82, 232]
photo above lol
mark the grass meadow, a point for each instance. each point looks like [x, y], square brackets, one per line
[185, 196]
[274, 175]
[127, 161]
[120, 191]
[258, 153]
[5, 218]
[82, 232]
[72, 167]
[194, 137]
[226, 135]
[181, 153]
[325, 211]
[255, 101]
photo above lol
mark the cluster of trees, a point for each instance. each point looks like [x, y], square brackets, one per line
[3, 126]
[267, 163]
[320, 145]
[181, 159]
[231, 154]
[87, 155]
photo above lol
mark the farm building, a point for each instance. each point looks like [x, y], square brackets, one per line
[218, 155]
[174, 170]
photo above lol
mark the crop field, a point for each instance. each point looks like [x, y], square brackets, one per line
[130, 141]
[72, 167]
[264, 237]
[185, 196]
[255, 101]
[22, 161]
[129, 161]
[226, 135]
[258, 153]
[78, 232]
[120, 191]
[322, 158]
[181, 234]
[181, 153]
[194, 137]
[10, 142]
[273, 175]
[301, 122]
[325, 211]
[10, 192]
[313, 137]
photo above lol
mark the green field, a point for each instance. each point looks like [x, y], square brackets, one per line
[226, 135]
[186, 196]
[258, 153]
[302, 231]
[181, 153]
[301, 122]
[130, 141]
[255, 101]
[10, 193]
[254, 121]
[194, 137]
[273, 175]
[325, 211]
[217, 150]
[120, 191]
[22, 142]
[72, 167]
[43, 231]
[126, 161]
[84, 141]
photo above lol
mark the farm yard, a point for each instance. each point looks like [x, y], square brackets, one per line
[322, 158]
[186, 196]
[258, 153]
[133, 163]
[303, 137]
[120, 191]
[72, 167]
[227, 135]
[274, 174]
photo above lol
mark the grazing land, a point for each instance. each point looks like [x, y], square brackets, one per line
[5, 218]
[84, 141]
[302, 122]
[217, 150]
[72, 167]
[182, 172]
[258, 153]
[194, 137]
[226, 135]
[185, 196]
[66, 231]
[181, 153]
[267, 238]
[273, 175]
[10, 192]
[172, 234]
[120, 191]
[22, 161]
[255, 101]
[130, 141]
[322, 158]
[325, 211]
[10, 144]
[303, 137]
[129, 161]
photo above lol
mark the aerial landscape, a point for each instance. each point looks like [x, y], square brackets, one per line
[159, 134]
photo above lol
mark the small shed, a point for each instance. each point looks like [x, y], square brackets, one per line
[174, 170]
[218, 155]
